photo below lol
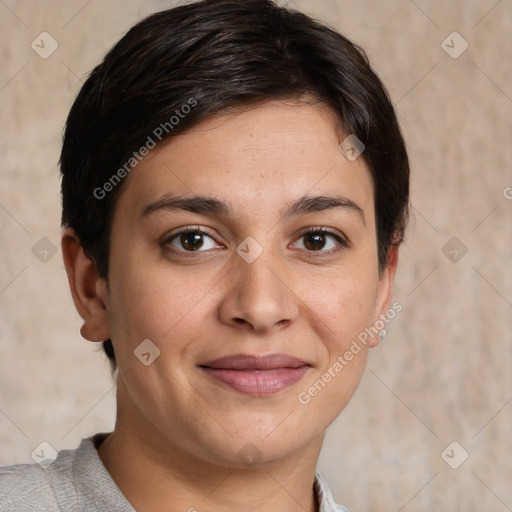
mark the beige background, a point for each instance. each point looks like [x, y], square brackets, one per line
[445, 372]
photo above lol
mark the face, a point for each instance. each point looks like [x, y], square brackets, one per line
[245, 251]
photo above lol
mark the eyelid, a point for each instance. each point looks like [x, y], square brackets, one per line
[186, 229]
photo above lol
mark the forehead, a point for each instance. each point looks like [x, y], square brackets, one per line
[255, 159]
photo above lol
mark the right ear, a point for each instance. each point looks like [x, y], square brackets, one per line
[88, 289]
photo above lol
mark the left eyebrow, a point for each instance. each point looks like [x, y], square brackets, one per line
[309, 204]
[212, 206]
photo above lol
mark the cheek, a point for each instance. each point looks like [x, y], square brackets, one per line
[342, 311]
[151, 301]
[344, 303]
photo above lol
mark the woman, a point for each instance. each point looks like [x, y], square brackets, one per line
[235, 190]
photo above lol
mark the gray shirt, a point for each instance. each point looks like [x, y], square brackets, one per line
[77, 481]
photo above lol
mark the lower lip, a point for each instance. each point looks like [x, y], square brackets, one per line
[258, 382]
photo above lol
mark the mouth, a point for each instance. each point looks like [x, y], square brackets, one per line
[256, 375]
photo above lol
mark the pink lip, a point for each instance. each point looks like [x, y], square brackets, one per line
[257, 375]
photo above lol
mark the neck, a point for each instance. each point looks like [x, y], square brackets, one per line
[157, 475]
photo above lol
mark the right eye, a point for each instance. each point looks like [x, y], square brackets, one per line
[190, 239]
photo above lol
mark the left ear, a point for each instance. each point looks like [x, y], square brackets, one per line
[385, 290]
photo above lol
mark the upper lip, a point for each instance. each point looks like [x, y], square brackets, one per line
[253, 362]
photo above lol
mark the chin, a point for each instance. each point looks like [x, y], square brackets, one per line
[251, 446]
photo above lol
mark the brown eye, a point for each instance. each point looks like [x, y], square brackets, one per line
[321, 240]
[314, 241]
[191, 240]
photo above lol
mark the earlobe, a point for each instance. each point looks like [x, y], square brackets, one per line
[88, 289]
[385, 291]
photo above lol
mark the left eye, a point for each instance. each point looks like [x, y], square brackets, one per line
[191, 240]
[321, 240]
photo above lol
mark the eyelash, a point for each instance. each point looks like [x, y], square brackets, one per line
[343, 243]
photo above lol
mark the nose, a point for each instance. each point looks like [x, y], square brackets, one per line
[258, 297]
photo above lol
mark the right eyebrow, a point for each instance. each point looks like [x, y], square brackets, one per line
[196, 204]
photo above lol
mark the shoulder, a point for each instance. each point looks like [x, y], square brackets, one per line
[26, 487]
[74, 482]
[47, 486]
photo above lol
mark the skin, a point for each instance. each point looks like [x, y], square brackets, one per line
[179, 433]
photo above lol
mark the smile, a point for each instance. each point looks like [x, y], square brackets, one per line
[256, 375]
